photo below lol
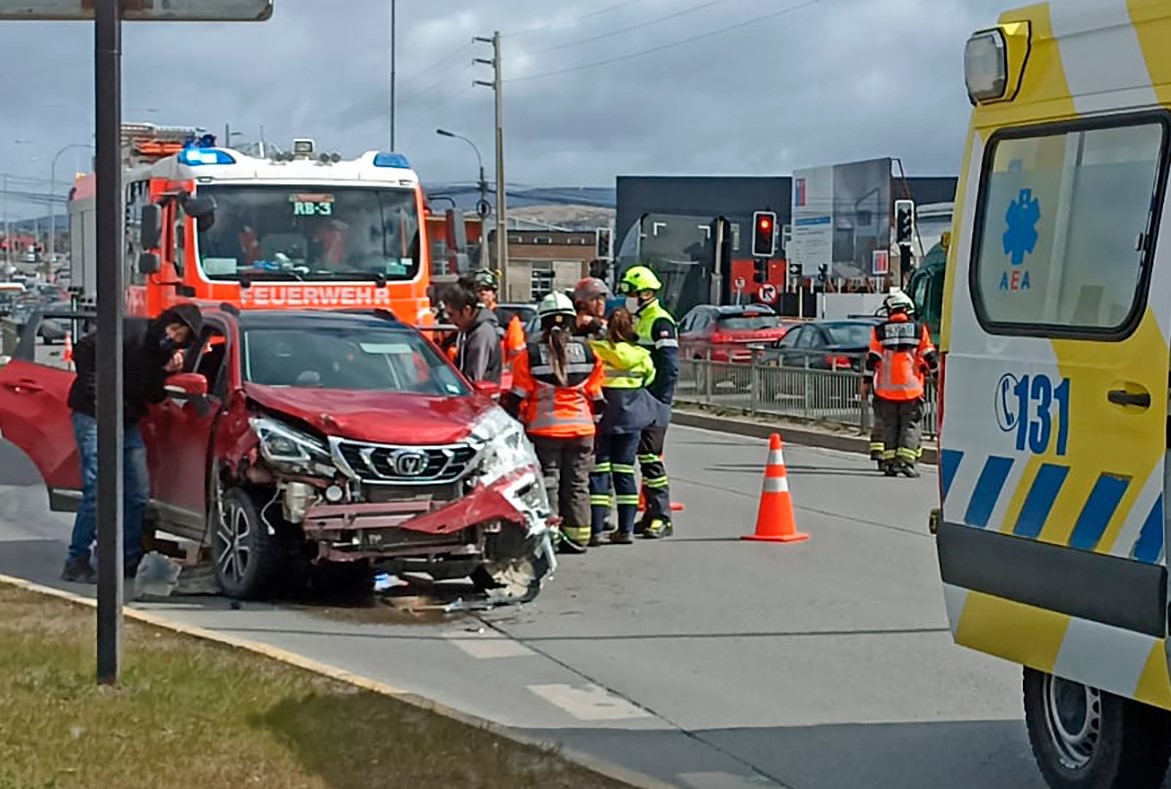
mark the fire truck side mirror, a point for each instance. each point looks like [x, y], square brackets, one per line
[151, 219]
[149, 263]
[199, 206]
[204, 223]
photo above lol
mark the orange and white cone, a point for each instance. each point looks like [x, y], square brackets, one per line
[67, 354]
[775, 521]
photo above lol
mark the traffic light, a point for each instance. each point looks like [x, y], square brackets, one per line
[904, 221]
[764, 234]
[603, 242]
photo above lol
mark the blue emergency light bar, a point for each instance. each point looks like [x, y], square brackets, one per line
[200, 156]
[395, 160]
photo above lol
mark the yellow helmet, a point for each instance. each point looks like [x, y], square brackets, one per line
[637, 279]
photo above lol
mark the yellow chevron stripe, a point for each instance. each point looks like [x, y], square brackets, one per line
[1154, 685]
[1014, 631]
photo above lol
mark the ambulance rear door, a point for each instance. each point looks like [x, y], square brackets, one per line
[1052, 538]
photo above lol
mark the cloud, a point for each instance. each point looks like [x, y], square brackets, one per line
[817, 82]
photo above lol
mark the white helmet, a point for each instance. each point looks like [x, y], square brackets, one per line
[554, 304]
[898, 301]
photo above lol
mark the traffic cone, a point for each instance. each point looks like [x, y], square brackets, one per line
[67, 354]
[775, 521]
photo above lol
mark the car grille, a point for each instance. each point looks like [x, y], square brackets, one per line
[406, 465]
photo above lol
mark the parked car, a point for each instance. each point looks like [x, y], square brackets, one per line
[824, 345]
[725, 333]
[54, 330]
[297, 438]
[526, 312]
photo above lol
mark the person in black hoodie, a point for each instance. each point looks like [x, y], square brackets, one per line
[479, 355]
[151, 351]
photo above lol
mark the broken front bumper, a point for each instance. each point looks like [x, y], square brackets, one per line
[426, 527]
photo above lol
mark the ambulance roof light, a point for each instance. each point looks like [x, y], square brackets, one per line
[395, 160]
[986, 65]
[194, 157]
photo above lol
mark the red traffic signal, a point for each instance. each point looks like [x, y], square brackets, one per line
[764, 237]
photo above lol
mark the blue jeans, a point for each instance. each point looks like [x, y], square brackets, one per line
[135, 490]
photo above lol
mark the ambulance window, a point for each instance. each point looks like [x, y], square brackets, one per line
[1065, 226]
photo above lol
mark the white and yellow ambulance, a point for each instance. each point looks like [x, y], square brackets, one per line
[1055, 340]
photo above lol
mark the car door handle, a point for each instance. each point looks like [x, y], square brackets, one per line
[1123, 397]
[24, 385]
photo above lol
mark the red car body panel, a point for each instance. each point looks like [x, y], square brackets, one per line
[35, 416]
[378, 417]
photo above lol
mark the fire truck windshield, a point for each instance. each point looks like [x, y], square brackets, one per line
[310, 233]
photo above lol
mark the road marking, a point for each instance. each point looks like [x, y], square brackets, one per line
[723, 781]
[487, 645]
[589, 702]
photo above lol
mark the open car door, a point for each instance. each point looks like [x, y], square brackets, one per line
[35, 417]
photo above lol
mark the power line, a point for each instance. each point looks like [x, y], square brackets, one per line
[374, 104]
[429, 107]
[568, 22]
[639, 26]
[671, 45]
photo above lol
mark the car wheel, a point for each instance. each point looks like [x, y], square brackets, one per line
[247, 558]
[1084, 738]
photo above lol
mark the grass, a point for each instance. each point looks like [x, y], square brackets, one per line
[190, 713]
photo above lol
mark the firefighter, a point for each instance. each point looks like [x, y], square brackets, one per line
[900, 354]
[657, 334]
[512, 337]
[557, 394]
[590, 296]
[629, 410]
[877, 444]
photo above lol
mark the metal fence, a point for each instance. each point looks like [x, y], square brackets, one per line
[825, 391]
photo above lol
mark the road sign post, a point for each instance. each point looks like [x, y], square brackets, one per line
[107, 16]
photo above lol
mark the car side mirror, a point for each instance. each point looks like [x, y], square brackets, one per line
[151, 219]
[186, 386]
[149, 263]
[486, 388]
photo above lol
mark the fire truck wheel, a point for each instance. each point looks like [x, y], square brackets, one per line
[1084, 738]
[247, 558]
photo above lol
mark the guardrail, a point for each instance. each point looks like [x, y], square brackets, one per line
[819, 389]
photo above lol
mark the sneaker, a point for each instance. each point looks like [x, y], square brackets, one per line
[621, 538]
[79, 571]
[658, 528]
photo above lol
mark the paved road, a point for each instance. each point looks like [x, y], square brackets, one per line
[702, 660]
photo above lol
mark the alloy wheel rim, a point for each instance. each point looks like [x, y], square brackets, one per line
[1073, 717]
[233, 551]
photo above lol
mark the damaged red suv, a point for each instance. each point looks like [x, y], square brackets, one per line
[316, 437]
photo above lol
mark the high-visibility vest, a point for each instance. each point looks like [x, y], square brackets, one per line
[647, 316]
[900, 352]
[514, 340]
[548, 408]
[624, 366]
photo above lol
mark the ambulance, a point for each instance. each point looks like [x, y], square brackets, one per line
[296, 229]
[1052, 532]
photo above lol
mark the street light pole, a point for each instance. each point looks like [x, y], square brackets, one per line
[393, 59]
[497, 85]
[483, 183]
[53, 193]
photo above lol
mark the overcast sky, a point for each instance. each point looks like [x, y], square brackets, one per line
[809, 82]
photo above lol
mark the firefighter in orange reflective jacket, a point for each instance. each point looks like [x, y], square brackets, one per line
[557, 394]
[900, 354]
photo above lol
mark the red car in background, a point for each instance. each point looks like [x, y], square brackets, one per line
[295, 438]
[725, 333]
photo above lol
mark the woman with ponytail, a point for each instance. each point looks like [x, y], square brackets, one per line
[557, 394]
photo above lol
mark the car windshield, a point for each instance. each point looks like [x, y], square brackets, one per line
[749, 322]
[348, 358]
[854, 335]
[311, 233]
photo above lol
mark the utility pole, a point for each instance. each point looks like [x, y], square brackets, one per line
[393, 59]
[497, 85]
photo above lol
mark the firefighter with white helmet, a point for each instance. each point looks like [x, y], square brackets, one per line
[557, 394]
[900, 355]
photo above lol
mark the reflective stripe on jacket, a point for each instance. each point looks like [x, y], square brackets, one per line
[549, 409]
[900, 353]
[628, 371]
[657, 333]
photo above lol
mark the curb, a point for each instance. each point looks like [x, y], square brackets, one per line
[793, 433]
[586, 761]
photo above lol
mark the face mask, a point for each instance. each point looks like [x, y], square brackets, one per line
[632, 304]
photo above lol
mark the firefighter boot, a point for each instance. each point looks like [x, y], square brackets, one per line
[907, 469]
[658, 528]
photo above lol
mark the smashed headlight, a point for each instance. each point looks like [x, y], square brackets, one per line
[291, 450]
[504, 450]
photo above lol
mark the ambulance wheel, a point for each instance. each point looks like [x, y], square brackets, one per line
[1084, 738]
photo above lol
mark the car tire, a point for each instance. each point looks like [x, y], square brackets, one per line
[247, 558]
[1084, 738]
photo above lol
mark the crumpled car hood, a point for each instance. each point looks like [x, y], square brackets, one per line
[375, 416]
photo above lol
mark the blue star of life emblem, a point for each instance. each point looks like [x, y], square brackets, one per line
[1020, 235]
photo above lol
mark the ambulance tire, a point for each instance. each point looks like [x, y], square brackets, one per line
[1118, 743]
